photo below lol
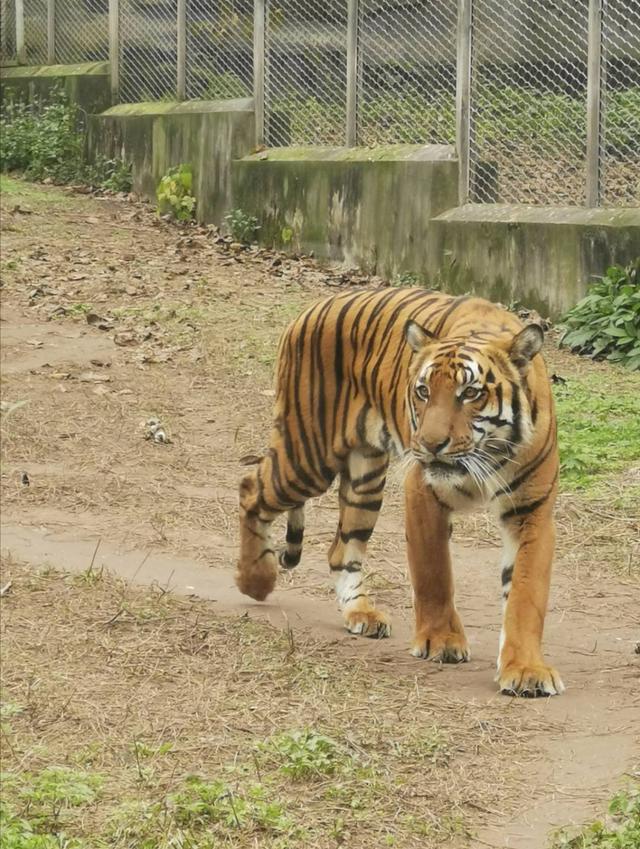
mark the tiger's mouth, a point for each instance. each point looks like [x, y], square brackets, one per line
[442, 466]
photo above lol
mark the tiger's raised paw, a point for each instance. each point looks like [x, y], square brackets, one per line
[442, 648]
[530, 681]
[368, 623]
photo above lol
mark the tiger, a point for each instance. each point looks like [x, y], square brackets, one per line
[454, 386]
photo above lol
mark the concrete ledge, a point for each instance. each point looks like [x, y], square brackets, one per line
[86, 83]
[366, 207]
[543, 257]
[154, 137]
[77, 69]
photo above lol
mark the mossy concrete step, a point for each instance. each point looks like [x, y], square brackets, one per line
[154, 137]
[85, 83]
[541, 256]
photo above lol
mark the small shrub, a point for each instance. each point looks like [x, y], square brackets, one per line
[305, 754]
[41, 799]
[242, 226]
[174, 194]
[606, 323]
[621, 830]
[45, 139]
[42, 139]
[201, 814]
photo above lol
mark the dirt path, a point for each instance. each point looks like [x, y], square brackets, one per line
[190, 329]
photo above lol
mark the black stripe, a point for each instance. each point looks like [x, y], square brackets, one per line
[351, 566]
[454, 306]
[361, 534]
[526, 509]
[294, 535]
[373, 506]
[507, 574]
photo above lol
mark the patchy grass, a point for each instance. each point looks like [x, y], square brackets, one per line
[620, 829]
[32, 194]
[598, 427]
[138, 719]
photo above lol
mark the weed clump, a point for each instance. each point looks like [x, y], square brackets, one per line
[242, 226]
[45, 140]
[606, 323]
[174, 194]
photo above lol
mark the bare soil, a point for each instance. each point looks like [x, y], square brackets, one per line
[111, 316]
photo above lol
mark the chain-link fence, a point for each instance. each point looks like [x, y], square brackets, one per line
[407, 72]
[305, 72]
[620, 148]
[528, 101]
[148, 50]
[35, 31]
[81, 30]
[219, 52]
[7, 31]
[542, 99]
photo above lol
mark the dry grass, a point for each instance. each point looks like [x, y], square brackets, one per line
[144, 690]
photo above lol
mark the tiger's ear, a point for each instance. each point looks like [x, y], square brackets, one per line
[525, 345]
[417, 336]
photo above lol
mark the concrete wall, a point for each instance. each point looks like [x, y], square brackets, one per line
[86, 84]
[542, 257]
[389, 210]
[367, 207]
[154, 137]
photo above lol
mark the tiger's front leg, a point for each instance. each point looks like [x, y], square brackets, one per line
[522, 670]
[439, 634]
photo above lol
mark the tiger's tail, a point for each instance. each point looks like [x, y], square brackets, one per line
[290, 555]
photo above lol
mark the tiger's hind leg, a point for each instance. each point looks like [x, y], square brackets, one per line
[264, 495]
[257, 564]
[361, 487]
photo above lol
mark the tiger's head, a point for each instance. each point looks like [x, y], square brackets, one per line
[468, 408]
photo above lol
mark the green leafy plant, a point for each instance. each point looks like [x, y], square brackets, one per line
[620, 830]
[606, 323]
[242, 226]
[45, 139]
[174, 193]
[305, 754]
[201, 814]
[42, 799]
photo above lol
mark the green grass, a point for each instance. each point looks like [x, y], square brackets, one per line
[598, 427]
[31, 194]
[619, 830]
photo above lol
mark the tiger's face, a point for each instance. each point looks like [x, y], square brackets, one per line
[468, 410]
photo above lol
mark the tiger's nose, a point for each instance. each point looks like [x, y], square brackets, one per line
[434, 447]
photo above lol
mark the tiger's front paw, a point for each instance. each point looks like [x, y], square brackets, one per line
[368, 622]
[443, 647]
[529, 681]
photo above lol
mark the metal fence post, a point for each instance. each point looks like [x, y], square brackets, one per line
[463, 99]
[181, 52]
[51, 32]
[21, 52]
[594, 103]
[352, 73]
[258, 68]
[114, 48]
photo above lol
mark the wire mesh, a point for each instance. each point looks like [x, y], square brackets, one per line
[82, 30]
[528, 101]
[407, 73]
[305, 72]
[35, 31]
[219, 49]
[148, 48]
[621, 103]
[7, 30]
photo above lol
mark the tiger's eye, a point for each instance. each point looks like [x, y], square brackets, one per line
[422, 392]
[471, 393]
